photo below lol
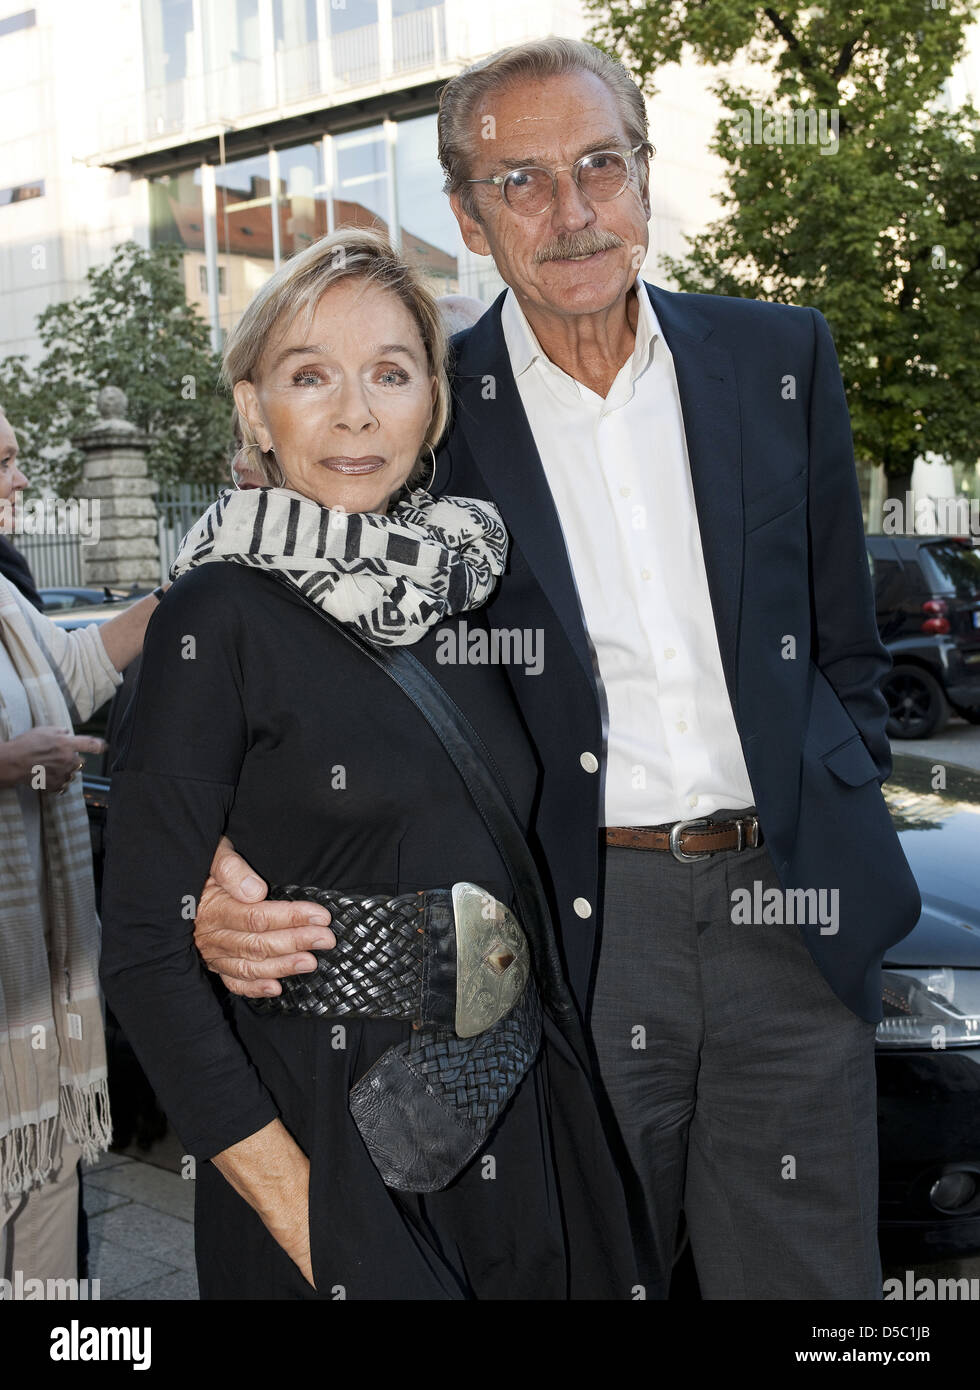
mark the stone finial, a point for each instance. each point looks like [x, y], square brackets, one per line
[112, 403]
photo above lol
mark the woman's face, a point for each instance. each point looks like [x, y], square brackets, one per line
[12, 479]
[344, 405]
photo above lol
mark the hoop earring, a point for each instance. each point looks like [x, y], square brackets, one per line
[244, 451]
[432, 478]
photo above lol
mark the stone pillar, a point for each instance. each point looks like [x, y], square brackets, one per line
[117, 484]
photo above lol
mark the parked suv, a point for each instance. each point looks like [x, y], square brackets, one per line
[927, 596]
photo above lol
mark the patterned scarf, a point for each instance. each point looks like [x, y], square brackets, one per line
[52, 1045]
[391, 576]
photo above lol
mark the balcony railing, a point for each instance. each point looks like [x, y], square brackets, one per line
[356, 58]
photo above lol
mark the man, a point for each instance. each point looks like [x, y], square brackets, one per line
[677, 477]
[13, 566]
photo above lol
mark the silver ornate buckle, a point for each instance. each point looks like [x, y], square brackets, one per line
[492, 959]
[675, 842]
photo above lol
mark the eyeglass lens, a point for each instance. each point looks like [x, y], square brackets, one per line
[600, 177]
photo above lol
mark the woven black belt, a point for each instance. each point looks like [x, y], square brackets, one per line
[447, 957]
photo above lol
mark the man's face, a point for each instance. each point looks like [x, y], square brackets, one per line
[12, 479]
[552, 123]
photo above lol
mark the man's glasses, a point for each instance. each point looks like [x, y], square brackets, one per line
[599, 177]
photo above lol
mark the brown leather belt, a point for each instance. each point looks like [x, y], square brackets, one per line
[687, 843]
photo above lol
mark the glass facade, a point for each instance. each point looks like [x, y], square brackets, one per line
[246, 241]
[270, 206]
[302, 195]
[208, 61]
[430, 236]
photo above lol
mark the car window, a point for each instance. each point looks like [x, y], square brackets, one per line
[950, 567]
[886, 578]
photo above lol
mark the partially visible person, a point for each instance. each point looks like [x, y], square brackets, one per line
[459, 311]
[54, 1103]
[13, 566]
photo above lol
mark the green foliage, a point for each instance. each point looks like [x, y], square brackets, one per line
[881, 234]
[131, 328]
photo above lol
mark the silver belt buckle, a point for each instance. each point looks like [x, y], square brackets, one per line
[753, 834]
[493, 961]
[675, 842]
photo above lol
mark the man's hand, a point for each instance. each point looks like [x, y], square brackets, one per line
[251, 942]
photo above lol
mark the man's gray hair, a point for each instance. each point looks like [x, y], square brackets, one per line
[463, 95]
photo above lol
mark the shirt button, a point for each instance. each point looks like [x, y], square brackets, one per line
[624, 492]
[681, 727]
[583, 907]
[669, 653]
[692, 801]
[590, 762]
[644, 574]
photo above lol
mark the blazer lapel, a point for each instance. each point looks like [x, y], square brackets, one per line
[489, 413]
[708, 393]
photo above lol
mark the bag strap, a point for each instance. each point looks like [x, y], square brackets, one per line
[492, 799]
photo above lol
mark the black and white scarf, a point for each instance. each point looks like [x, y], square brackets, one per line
[392, 576]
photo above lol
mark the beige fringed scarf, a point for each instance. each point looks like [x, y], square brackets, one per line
[52, 1043]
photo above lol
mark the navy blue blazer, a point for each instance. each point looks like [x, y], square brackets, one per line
[779, 512]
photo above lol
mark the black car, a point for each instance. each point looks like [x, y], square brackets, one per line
[57, 600]
[928, 1046]
[927, 597]
[928, 1050]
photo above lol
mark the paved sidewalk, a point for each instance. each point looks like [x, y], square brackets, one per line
[140, 1229]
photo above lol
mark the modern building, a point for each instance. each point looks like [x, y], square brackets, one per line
[241, 130]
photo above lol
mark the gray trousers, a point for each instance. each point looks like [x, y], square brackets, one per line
[744, 1089]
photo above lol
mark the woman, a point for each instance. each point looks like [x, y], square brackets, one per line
[54, 1105]
[257, 718]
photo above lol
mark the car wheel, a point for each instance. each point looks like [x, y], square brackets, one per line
[917, 707]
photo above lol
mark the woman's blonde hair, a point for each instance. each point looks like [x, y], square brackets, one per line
[349, 253]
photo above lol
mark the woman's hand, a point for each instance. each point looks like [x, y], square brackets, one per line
[52, 752]
[272, 1173]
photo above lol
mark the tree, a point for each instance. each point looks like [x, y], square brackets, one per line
[879, 232]
[132, 328]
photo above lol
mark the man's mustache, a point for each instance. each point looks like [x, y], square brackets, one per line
[586, 243]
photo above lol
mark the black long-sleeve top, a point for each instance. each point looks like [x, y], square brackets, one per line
[253, 718]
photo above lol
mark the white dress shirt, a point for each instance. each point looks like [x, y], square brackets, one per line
[620, 477]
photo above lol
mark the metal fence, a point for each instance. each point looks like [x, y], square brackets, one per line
[178, 507]
[55, 561]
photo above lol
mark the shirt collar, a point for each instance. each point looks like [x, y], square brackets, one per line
[523, 347]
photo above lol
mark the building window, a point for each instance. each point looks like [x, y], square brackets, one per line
[202, 279]
[361, 193]
[302, 197]
[429, 234]
[245, 231]
[25, 20]
[22, 192]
